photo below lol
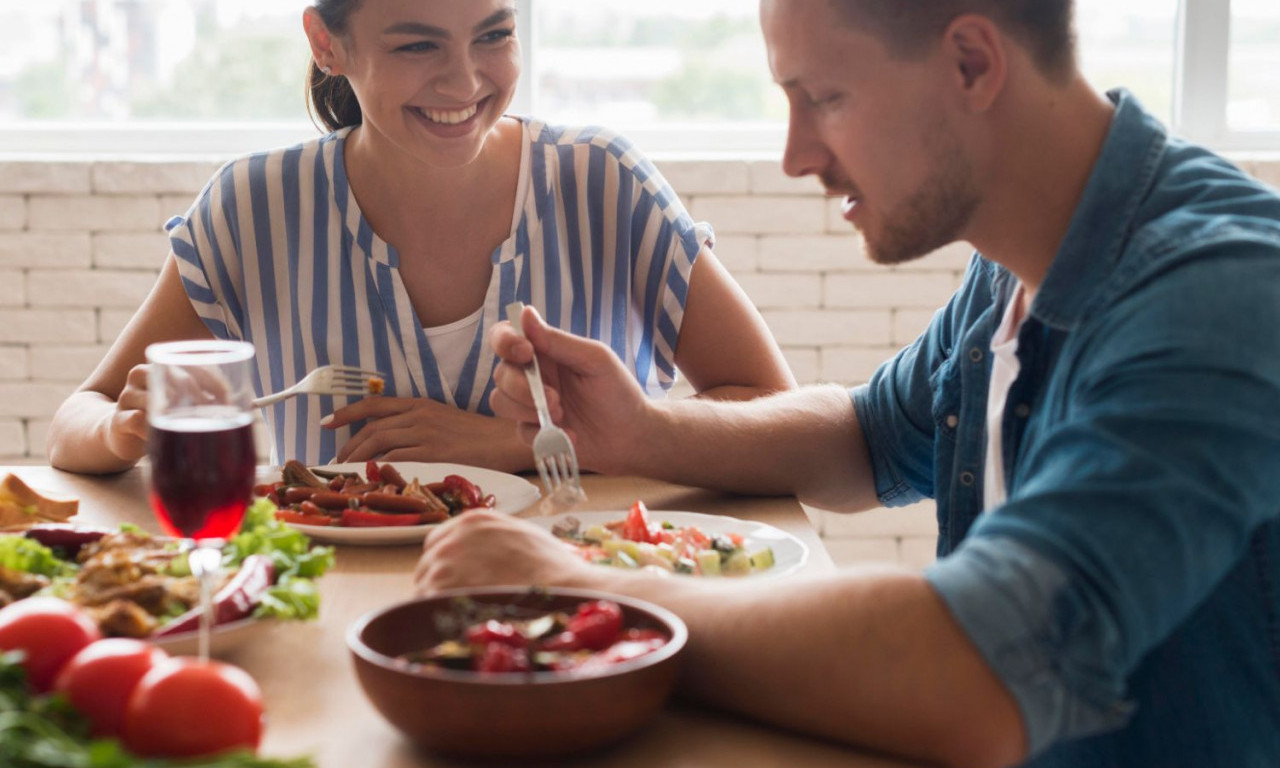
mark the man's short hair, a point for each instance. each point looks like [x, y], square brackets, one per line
[911, 27]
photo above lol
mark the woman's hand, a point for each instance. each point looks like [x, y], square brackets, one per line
[418, 429]
[480, 548]
[126, 427]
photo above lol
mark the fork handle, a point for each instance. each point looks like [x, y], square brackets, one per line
[531, 372]
[273, 398]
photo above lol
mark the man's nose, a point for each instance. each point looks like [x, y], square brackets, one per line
[805, 154]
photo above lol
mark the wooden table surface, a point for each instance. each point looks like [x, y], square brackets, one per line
[314, 702]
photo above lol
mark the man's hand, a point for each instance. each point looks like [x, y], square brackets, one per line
[590, 394]
[480, 548]
[126, 429]
[419, 429]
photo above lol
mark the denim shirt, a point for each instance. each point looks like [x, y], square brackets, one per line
[1128, 592]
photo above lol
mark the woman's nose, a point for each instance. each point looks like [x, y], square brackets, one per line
[461, 80]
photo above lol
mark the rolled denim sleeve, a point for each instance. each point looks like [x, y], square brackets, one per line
[1021, 612]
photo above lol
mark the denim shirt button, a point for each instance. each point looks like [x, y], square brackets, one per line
[975, 355]
[966, 478]
[953, 421]
[1022, 410]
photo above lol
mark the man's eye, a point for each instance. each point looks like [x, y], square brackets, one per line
[825, 100]
[497, 35]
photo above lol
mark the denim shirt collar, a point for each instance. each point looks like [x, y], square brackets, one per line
[1120, 180]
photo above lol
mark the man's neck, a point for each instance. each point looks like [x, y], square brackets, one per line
[1047, 143]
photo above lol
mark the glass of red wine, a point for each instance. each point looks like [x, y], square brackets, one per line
[201, 449]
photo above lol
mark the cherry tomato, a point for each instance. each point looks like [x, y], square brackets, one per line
[596, 624]
[50, 631]
[186, 708]
[503, 658]
[98, 680]
[496, 632]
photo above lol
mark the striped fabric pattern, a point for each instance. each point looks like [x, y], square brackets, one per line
[275, 251]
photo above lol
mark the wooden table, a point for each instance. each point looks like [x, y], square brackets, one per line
[315, 705]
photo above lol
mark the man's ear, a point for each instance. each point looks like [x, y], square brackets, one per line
[325, 48]
[975, 48]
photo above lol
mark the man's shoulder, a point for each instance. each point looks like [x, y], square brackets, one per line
[1200, 200]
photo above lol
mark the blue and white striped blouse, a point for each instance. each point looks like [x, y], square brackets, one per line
[275, 251]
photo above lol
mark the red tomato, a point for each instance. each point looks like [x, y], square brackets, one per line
[596, 625]
[50, 631]
[496, 632]
[98, 680]
[187, 708]
[503, 658]
[636, 526]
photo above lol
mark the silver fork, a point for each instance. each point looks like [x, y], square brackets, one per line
[552, 449]
[327, 380]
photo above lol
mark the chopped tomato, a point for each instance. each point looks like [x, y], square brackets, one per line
[298, 518]
[503, 658]
[636, 526]
[363, 518]
[596, 624]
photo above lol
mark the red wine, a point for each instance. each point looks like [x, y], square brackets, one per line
[202, 472]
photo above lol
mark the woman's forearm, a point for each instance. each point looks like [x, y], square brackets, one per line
[79, 437]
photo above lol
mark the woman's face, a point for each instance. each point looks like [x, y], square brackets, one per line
[432, 76]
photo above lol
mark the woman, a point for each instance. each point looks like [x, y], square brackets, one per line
[394, 241]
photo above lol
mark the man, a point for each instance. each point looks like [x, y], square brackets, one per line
[1095, 411]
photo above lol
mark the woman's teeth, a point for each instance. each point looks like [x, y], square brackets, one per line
[450, 117]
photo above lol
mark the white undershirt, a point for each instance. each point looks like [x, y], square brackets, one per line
[451, 344]
[1004, 370]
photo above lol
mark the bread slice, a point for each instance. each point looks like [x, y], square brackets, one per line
[21, 506]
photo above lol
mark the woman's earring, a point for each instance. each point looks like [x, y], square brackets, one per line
[328, 71]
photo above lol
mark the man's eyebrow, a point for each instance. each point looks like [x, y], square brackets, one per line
[428, 30]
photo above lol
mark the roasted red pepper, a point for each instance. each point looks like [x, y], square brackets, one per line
[360, 518]
[234, 601]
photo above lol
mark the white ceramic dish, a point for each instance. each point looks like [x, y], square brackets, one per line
[512, 493]
[789, 553]
[222, 640]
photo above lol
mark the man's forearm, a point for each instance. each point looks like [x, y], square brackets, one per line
[805, 443]
[897, 675]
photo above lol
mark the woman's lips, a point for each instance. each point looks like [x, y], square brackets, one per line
[849, 208]
[450, 130]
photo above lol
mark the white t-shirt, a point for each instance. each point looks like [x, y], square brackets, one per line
[1004, 370]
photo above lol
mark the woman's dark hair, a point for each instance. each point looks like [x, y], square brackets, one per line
[330, 99]
[1045, 27]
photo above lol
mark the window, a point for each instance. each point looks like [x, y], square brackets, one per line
[223, 76]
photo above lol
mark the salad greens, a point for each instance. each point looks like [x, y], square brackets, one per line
[18, 553]
[45, 732]
[296, 562]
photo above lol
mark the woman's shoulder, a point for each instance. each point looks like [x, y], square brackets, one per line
[274, 165]
[613, 142]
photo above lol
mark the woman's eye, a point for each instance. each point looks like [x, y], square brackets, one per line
[422, 46]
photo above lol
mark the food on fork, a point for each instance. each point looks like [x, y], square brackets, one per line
[634, 542]
[375, 385]
[22, 507]
[381, 498]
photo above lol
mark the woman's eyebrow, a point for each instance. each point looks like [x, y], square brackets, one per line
[428, 30]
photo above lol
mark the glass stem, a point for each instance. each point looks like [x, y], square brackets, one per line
[206, 562]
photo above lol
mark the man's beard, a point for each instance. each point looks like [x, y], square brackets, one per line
[935, 215]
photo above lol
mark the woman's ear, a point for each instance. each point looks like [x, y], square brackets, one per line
[975, 48]
[325, 48]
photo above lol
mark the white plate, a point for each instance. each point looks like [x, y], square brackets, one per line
[789, 553]
[511, 493]
[222, 640]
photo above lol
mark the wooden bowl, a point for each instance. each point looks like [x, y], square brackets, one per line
[538, 714]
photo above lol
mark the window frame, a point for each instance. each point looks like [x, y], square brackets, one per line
[1201, 64]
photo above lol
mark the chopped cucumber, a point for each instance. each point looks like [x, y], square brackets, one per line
[597, 534]
[762, 558]
[709, 562]
[737, 564]
[614, 546]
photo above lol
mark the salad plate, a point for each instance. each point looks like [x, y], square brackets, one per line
[511, 494]
[223, 639]
[789, 553]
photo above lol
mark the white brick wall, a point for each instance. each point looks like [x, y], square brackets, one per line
[81, 242]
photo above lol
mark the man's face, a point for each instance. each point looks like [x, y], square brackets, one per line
[874, 129]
